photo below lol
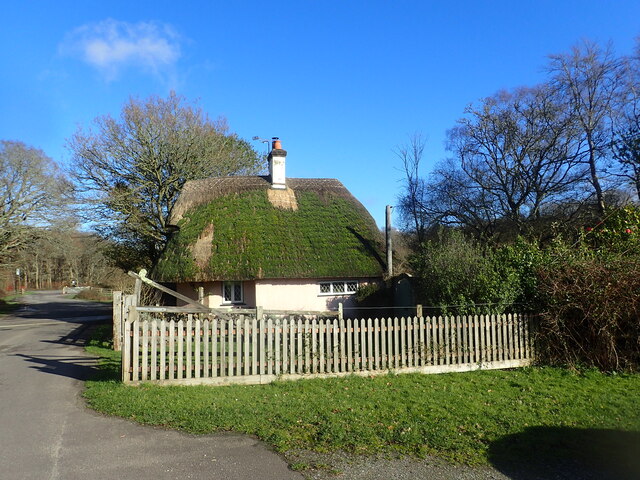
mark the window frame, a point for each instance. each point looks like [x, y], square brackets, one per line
[233, 284]
[332, 291]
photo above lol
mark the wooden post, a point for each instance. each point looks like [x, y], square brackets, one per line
[121, 306]
[419, 311]
[142, 276]
[129, 372]
[117, 321]
[137, 290]
[259, 313]
[389, 245]
[135, 355]
[201, 295]
[340, 311]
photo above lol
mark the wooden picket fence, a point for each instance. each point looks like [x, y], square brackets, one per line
[190, 348]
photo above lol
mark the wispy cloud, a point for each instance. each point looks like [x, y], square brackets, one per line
[111, 46]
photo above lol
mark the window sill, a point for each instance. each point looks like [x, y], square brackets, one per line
[343, 294]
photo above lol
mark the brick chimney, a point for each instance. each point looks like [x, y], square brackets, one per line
[277, 159]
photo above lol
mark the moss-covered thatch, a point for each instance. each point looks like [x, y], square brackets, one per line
[241, 235]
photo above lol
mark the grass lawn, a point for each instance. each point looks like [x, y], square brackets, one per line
[474, 418]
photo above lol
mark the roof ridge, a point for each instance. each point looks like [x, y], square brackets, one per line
[201, 191]
[264, 177]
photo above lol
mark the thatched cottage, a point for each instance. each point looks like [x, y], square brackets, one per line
[271, 241]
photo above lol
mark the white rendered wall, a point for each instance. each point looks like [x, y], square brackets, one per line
[298, 295]
[285, 294]
[213, 293]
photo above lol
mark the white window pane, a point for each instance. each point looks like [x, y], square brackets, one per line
[338, 287]
[352, 286]
[325, 288]
[237, 292]
[227, 292]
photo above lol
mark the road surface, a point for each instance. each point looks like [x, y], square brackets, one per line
[47, 433]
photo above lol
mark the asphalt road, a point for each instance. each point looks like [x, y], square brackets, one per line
[47, 433]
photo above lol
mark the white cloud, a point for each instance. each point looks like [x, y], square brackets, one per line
[112, 46]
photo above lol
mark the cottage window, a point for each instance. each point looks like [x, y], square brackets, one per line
[232, 292]
[338, 288]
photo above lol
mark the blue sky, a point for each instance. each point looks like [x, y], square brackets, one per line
[340, 82]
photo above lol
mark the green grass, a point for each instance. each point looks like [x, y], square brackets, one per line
[474, 418]
[8, 304]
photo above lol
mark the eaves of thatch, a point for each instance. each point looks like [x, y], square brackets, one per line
[238, 228]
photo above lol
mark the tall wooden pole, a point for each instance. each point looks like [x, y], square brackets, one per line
[389, 245]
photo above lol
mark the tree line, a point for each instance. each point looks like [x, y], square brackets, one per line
[110, 208]
[524, 158]
[536, 209]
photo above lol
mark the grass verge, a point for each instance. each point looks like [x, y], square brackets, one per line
[94, 296]
[8, 305]
[473, 418]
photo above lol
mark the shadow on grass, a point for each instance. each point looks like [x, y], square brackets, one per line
[8, 307]
[100, 343]
[108, 371]
[567, 453]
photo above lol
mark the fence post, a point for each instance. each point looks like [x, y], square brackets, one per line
[130, 302]
[129, 364]
[419, 311]
[117, 321]
[201, 295]
[137, 291]
[259, 313]
[340, 311]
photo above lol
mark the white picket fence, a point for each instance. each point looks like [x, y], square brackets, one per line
[205, 349]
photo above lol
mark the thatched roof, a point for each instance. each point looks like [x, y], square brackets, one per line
[238, 228]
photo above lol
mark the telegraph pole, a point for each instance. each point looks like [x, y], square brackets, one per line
[389, 245]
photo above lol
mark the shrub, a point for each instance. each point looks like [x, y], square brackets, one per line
[459, 276]
[586, 290]
[619, 232]
[589, 296]
[591, 314]
[97, 295]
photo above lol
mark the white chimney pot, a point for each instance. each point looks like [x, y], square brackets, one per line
[277, 159]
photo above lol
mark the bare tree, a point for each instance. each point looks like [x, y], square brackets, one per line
[60, 254]
[131, 170]
[627, 153]
[33, 193]
[590, 80]
[626, 143]
[513, 154]
[453, 199]
[412, 202]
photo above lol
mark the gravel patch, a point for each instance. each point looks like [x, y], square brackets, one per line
[342, 465]
[339, 465]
